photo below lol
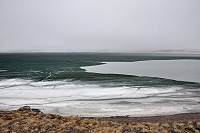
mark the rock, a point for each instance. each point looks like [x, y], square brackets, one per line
[28, 109]
[25, 108]
[35, 110]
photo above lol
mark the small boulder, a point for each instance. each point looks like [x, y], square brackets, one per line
[28, 109]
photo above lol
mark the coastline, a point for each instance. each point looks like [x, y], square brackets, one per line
[26, 119]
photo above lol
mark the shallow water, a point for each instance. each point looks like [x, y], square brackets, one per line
[183, 70]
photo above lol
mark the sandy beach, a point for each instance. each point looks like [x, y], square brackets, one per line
[26, 119]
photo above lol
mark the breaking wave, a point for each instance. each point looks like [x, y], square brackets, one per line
[65, 94]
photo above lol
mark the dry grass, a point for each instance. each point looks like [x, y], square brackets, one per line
[30, 121]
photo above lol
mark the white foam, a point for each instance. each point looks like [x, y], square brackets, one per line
[74, 98]
[12, 82]
[45, 83]
[154, 90]
[3, 70]
[21, 102]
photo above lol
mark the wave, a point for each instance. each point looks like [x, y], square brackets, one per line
[3, 70]
[89, 90]
[66, 94]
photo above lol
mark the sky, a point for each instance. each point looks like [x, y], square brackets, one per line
[99, 25]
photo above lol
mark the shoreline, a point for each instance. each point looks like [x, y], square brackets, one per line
[182, 117]
[27, 119]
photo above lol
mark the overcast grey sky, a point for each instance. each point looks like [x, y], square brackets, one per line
[98, 25]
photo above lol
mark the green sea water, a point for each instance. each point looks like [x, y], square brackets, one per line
[57, 81]
[60, 66]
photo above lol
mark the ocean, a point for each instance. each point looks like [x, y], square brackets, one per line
[101, 84]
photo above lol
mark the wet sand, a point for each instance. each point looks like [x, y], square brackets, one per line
[26, 119]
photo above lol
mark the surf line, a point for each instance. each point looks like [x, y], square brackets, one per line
[71, 69]
[48, 76]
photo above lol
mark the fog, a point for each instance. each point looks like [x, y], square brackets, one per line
[99, 25]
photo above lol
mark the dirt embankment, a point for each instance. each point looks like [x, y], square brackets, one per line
[30, 120]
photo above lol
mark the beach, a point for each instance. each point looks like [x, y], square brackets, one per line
[27, 119]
